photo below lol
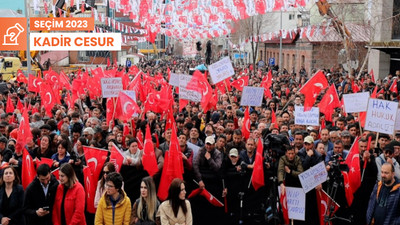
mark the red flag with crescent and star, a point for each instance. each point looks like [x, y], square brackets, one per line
[324, 202]
[257, 179]
[28, 169]
[116, 157]
[353, 162]
[312, 89]
[240, 83]
[246, 124]
[149, 158]
[329, 102]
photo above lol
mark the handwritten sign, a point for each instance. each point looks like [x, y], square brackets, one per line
[221, 70]
[397, 123]
[296, 203]
[306, 118]
[174, 79]
[312, 177]
[110, 87]
[381, 116]
[185, 93]
[252, 96]
[357, 102]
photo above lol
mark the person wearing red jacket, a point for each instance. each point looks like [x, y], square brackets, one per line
[69, 205]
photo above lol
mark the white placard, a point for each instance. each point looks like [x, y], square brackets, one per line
[131, 94]
[187, 94]
[221, 70]
[195, 149]
[174, 79]
[357, 102]
[296, 203]
[312, 177]
[110, 87]
[397, 123]
[310, 117]
[381, 116]
[252, 96]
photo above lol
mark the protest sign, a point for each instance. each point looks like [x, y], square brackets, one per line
[174, 79]
[185, 93]
[312, 177]
[110, 87]
[252, 96]
[306, 118]
[221, 70]
[397, 123]
[357, 102]
[296, 203]
[381, 116]
[195, 149]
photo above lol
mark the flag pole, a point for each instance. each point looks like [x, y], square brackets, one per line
[227, 91]
[359, 123]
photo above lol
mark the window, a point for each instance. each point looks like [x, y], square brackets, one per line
[291, 16]
[303, 61]
[82, 57]
[261, 55]
[294, 61]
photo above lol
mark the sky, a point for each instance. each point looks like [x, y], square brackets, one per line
[12, 4]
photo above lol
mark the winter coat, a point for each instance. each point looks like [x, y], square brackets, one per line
[16, 202]
[107, 214]
[35, 199]
[392, 216]
[74, 205]
[167, 216]
[295, 167]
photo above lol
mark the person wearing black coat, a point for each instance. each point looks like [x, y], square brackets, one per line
[309, 158]
[38, 205]
[11, 198]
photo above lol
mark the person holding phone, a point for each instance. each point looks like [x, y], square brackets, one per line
[39, 197]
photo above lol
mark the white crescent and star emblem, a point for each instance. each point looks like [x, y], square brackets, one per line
[126, 106]
[206, 87]
[242, 81]
[149, 99]
[94, 160]
[88, 186]
[28, 161]
[323, 202]
[319, 85]
[48, 94]
[331, 96]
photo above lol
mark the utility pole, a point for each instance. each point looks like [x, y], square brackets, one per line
[280, 44]
[28, 52]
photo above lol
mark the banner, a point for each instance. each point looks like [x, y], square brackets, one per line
[357, 102]
[312, 177]
[306, 118]
[110, 87]
[397, 123]
[174, 79]
[381, 116]
[185, 93]
[252, 96]
[296, 203]
[221, 70]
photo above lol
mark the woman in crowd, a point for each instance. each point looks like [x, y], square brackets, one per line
[176, 210]
[11, 198]
[45, 149]
[133, 154]
[78, 155]
[145, 207]
[69, 205]
[62, 156]
[108, 167]
[114, 206]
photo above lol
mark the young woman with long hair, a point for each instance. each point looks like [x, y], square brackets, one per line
[145, 207]
[176, 209]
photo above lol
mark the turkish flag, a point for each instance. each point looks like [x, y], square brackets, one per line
[173, 166]
[273, 119]
[20, 107]
[44, 160]
[9, 105]
[52, 78]
[94, 85]
[28, 169]
[312, 88]
[64, 81]
[260, 6]
[95, 159]
[211, 198]
[109, 110]
[224, 86]
[329, 102]
[49, 99]
[240, 83]
[374, 93]
[133, 70]
[21, 77]
[90, 184]
[324, 201]
[284, 208]
[24, 132]
[347, 188]
[354, 87]
[116, 157]
[149, 158]
[139, 137]
[246, 124]
[266, 83]
[372, 75]
[393, 87]
[97, 72]
[34, 83]
[353, 161]
[258, 170]
[128, 107]
[195, 83]
[56, 174]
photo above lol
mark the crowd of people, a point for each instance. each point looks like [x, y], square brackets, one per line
[216, 156]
